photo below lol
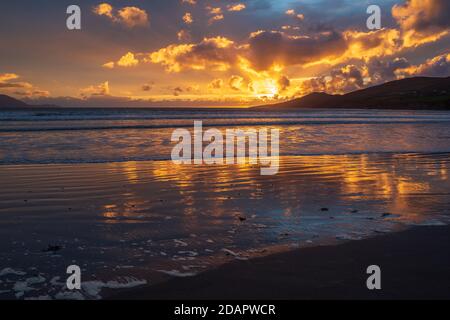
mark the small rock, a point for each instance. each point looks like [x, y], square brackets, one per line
[52, 248]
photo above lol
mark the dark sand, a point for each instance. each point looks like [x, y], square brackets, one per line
[415, 264]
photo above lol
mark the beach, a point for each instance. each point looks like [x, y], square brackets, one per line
[224, 150]
[135, 224]
[410, 270]
[97, 189]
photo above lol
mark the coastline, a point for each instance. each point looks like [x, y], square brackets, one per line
[129, 223]
[413, 266]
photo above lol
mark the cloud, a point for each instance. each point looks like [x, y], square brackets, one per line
[187, 18]
[184, 35]
[341, 80]
[147, 87]
[236, 7]
[9, 85]
[128, 60]
[237, 83]
[438, 66]
[217, 54]
[133, 17]
[8, 76]
[104, 9]
[191, 2]
[109, 65]
[177, 91]
[129, 17]
[353, 77]
[101, 89]
[216, 13]
[422, 15]
[267, 48]
[292, 13]
[380, 71]
[214, 10]
[422, 20]
[365, 45]
[283, 83]
[216, 84]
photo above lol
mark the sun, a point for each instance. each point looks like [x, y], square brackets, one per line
[266, 88]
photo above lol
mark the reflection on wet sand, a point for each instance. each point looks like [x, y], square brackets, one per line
[148, 216]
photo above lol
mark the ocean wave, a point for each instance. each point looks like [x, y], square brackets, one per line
[62, 161]
[225, 124]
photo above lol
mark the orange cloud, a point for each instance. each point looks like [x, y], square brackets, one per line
[104, 9]
[438, 66]
[133, 17]
[236, 83]
[236, 7]
[422, 21]
[292, 13]
[216, 13]
[187, 18]
[101, 89]
[8, 76]
[184, 35]
[270, 48]
[376, 43]
[191, 2]
[109, 65]
[20, 88]
[216, 84]
[217, 54]
[128, 60]
[130, 17]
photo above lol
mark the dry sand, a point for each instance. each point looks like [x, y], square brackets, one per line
[415, 264]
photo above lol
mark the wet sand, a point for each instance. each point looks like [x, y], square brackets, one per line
[143, 223]
[415, 264]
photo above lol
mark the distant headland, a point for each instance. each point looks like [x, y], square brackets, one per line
[416, 93]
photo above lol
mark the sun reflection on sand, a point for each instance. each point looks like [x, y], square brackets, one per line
[221, 190]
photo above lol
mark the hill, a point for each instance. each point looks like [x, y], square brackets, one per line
[410, 93]
[9, 102]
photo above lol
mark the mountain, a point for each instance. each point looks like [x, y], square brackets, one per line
[8, 102]
[410, 93]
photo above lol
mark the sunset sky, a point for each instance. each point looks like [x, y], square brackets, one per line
[214, 52]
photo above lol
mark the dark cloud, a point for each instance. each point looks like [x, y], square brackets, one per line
[423, 15]
[270, 47]
[381, 71]
[283, 83]
[438, 66]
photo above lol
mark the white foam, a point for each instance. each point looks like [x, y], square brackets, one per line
[8, 271]
[69, 295]
[234, 254]
[346, 236]
[180, 243]
[93, 288]
[176, 273]
[430, 223]
[43, 298]
[20, 287]
[189, 253]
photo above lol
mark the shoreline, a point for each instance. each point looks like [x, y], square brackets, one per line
[130, 222]
[414, 265]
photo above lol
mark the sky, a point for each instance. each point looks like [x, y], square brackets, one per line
[214, 52]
